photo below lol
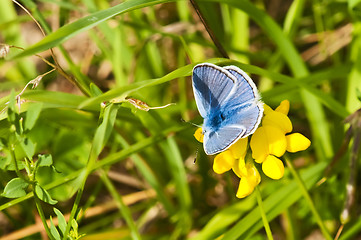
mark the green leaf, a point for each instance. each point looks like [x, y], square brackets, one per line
[43, 195]
[15, 188]
[32, 115]
[53, 230]
[226, 217]
[74, 225]
[28, 147]
[2, 143]
[49, 99]
[11, 108]
[77, 182]
[85, 23]
[61, 220]
[355, 8]
[124, 91]
[104, 130]
[4, 161]
[358, 94]
[44, 160]
[94, 90]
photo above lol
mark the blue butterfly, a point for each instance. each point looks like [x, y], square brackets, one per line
[229, 102]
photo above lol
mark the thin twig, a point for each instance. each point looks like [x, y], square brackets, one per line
[351, 184]
[339, 231]
[57, 65]
[337, 157]
[43, 59]
[41, 29]
[209, 30]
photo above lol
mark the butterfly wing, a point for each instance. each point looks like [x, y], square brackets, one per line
[211, 86]
[218, 141]
[245, 104]
[239, 122]
[228, 101]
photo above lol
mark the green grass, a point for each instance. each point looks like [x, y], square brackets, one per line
[133, 171]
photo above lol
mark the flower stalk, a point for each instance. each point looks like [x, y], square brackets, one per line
[263, 214]
[308, 199]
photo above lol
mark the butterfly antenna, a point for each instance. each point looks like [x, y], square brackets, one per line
[193, 124]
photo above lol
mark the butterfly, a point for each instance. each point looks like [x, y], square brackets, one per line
[229, 102]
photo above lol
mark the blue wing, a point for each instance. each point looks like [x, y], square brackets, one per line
[228, 101]
[218, 141]
[246, 91]
[211, 86]
[245, 103]
[238, 123]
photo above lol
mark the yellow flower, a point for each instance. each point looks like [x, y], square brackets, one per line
[273, 167]
[234, 158]
[269, 142]
[223, 162]
[249, 176]
[226, 160]
[199, 135]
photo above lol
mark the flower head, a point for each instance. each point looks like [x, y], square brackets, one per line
[269, 142]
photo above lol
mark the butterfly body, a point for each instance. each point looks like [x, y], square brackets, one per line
[228, 101]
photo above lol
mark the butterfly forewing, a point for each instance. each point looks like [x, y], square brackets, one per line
[211, 86]
[246, 89]
[245, 104]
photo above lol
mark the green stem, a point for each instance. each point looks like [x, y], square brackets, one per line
[41, 214]
[12, 152]
[263, 214]
[309, 201]
[290, 230]
[74, 210]
[124, 210]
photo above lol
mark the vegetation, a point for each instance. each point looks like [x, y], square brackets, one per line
[96, 101]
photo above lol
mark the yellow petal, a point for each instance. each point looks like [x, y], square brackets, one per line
[239, 149]
[253, 175]
[284, 107]
[297, 142]
[199, 135]
[239, 168]
[267, 109]
[273, 167]
[278, 119]
[259, 145]
[245, 188]
[276, 140]
[223, 162]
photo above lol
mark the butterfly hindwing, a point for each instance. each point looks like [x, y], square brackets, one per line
[218, 141]
[247, 116]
